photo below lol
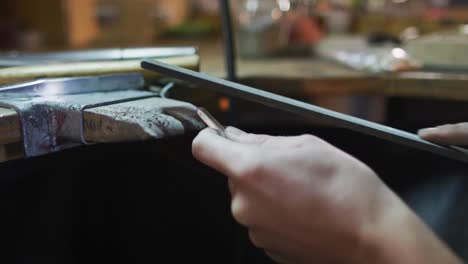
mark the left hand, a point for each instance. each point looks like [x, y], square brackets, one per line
[456, 134]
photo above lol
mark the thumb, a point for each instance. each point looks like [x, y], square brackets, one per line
[220, 153]
[456, 134]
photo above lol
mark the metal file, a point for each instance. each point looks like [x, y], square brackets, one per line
[305, 110]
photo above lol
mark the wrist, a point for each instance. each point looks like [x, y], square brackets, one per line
[400, 236]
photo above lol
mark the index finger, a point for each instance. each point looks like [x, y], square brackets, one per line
[219, 152]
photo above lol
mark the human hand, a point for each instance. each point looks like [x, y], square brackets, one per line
[456, 134]
[305, 201]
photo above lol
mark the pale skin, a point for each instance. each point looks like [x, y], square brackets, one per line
[453, 134]
[305, 201]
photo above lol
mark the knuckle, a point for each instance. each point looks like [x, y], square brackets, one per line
[460, 128]
[250, 165]
[464, 125]
[448, 128]
[250, 170]
[309, 139]
[261, 139]
[239, 211]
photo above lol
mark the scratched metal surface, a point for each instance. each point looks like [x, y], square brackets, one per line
[54, 123]
[152, 118]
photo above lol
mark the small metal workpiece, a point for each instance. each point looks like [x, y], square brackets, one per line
[13, 59]
[210, 121]
[75, 85]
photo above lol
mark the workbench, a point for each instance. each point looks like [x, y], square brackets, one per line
[150, 201]
[139, 119]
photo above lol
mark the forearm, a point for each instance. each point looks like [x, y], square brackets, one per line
[402, 237]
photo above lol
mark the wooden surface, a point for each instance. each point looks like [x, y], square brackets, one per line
[9, 126]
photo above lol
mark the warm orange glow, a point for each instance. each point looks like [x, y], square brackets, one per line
[224, 104]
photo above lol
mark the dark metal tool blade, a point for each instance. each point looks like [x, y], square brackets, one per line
[304, 109]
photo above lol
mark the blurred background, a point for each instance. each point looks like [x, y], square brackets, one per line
[76, 24]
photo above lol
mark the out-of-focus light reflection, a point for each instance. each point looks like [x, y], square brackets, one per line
[399, 53]
[53, 88]
[464, 29]
[284, 5]
[251, 5]
[276, 14]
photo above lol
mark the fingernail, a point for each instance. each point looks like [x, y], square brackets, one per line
[426, 131]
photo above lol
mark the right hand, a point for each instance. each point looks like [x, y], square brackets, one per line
[305, 201]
